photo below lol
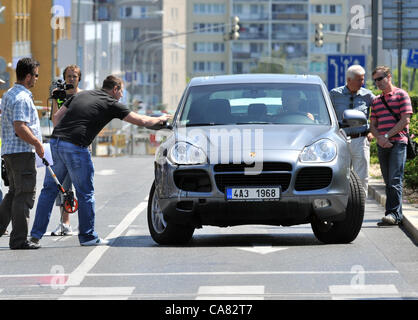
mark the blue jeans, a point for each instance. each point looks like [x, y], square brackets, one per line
[392, 164]
[76, 161]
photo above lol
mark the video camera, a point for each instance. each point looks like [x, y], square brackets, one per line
[59, 92]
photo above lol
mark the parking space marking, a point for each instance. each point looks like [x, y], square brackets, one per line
[78, 275]
[230, 293]
[97, 293]
[340, 292]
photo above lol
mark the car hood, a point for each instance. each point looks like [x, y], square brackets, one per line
[254, 137]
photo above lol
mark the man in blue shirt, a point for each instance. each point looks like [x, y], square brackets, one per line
[21, 137]
[353, 96]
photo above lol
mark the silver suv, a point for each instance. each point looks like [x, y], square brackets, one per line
[256, 149]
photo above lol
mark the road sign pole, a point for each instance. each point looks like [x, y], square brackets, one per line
[411, 84]
[400, 44]
[375, 26]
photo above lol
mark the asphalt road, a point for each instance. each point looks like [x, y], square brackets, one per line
[246, 262]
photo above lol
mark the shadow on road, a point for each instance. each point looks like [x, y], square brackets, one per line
[229, 240]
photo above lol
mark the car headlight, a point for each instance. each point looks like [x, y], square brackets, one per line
[186, 153]
[323, 150]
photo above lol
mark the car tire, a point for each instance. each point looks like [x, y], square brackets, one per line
[347, 230]
[163, 232]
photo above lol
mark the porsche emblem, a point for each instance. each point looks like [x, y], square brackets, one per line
[252, 154]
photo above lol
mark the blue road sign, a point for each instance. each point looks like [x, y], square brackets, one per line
[337, 66]
[412, 61]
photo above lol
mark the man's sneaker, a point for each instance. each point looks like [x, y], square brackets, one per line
[388, 220]
[28, 245]
[62, 230]
[95, 242]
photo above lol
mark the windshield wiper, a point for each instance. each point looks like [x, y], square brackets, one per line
[202, 124]
[255, 122]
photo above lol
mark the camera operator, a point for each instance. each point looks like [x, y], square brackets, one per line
[72, 77]
[64, 91]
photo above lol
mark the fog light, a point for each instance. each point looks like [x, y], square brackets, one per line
[321, 203]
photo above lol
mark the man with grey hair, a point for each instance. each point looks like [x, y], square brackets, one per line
[353, 96]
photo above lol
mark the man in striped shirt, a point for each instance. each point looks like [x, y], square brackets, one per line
[390, 131]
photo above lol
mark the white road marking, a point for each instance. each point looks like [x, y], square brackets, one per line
[106, 172]
[78, 275]
[230, 293]
[362, 291]
[201, 273]
[133, 232]
[262, 249]
[97, 293]
[234, 273]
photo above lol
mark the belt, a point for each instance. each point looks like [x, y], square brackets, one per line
[68, 140]
[357, 135]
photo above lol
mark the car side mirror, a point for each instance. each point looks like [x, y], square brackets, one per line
[353, 118]
[165, 125]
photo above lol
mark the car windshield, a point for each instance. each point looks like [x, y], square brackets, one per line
[261, 103]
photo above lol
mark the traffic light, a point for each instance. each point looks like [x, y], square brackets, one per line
[234, 33]
[319, 35]
[235, 28]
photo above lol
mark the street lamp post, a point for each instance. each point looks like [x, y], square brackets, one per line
[153, 55]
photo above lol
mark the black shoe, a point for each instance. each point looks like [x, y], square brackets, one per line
[28, 245]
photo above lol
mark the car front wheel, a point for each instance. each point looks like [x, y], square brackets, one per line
[163, 232]
[347, 230]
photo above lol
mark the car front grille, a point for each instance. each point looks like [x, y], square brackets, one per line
[230, 174]
[262, 179]
[313, 178]
[240, 167]
[192, 180]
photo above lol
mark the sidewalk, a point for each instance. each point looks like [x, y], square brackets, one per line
[410, 212]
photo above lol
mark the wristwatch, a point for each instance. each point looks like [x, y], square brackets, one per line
[386, 136]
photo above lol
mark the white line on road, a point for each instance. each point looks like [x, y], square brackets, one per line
[78, 275]
[203, 273]
[262, 249]
[233, 273]
[113, 293]
[362, 291]
[230, 293]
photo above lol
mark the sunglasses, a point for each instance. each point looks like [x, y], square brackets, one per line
[380, 78]
[351, 102]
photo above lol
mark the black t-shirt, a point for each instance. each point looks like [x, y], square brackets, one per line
[88, 112]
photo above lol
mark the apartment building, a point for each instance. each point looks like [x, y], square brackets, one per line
[153, 57]
[271, 31]
[347, 30]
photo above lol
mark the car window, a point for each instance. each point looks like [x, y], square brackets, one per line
[265, 103]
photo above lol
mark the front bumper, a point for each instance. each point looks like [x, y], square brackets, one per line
[209, 207]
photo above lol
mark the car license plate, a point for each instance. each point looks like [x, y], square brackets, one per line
[252, 193]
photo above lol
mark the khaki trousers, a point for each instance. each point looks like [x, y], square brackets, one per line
[360, 156]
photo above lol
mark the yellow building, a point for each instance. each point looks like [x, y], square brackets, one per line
[28, 28]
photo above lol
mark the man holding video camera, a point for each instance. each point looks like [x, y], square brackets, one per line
[64, 91]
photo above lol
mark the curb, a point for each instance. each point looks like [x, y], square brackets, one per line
[410, 212]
